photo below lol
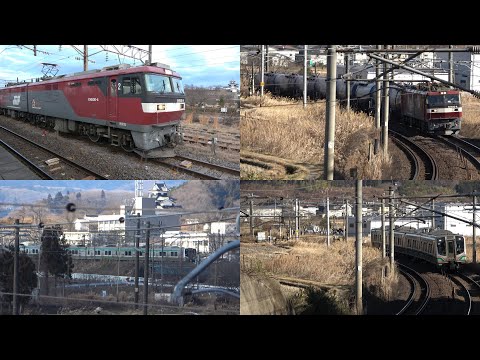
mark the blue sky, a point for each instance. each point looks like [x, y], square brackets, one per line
[200, 65]
[32, 190]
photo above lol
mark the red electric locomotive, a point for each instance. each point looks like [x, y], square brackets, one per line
[437, 111]
[137, 108]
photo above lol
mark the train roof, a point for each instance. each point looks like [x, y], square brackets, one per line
[108, 70]
[422, 231]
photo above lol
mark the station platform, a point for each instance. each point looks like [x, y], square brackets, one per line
[11, 168]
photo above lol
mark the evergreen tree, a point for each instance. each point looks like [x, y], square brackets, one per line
[27, 276]
[55, 259]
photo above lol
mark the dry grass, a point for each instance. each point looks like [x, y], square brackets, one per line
[281, 127]
[313, 260]
[471, 116]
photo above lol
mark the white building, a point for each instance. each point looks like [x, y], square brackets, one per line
[159, 192]
[375, 222]
[463, 211]
[218, 228]
[186, 239]
[466, 68]
[78, 238]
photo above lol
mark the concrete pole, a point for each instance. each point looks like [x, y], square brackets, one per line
[266, 59]
[251, 217]
[329, 151]
[15, 267]
[384, 252]
[450, 65]
[378, 94]
[150, 54]
[345, 230]
[328, 221]
[358, 243]
[474, 251]
[137, 261]
[262, 71]
[146, 270]
[391, 218]
[433, 215]
[275, 212]
[305, 76]
[296, 219]
[386, 109]
[347, 70]
[85, 57]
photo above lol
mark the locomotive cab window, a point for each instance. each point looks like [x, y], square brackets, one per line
[177, 86]
[158, 83]
[131, 85]
[435, 101]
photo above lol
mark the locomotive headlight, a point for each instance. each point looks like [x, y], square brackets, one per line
[160, 107]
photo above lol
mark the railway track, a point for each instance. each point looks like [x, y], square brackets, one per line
[470, 287]
[33, 167]
[418, 300]
[215, 167]
[63, 169]
[417, 154]
[464, 148]
[199, 169]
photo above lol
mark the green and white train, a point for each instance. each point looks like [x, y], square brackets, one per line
[439, 247]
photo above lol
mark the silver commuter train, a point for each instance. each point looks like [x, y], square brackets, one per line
[439, 247]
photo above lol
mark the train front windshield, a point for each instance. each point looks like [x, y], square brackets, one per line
[442, 249]
[460, 244]
[163, 84]
[440, 101]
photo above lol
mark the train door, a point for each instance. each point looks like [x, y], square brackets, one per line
[113, 99]
[450, 250]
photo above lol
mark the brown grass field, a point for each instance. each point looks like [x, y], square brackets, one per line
[471, 117]
[282, 128]
[310, 259]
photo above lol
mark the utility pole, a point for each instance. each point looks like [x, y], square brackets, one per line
[296, 219]
[85, 57]
[305, 76]
[386, 109]
[347, 70]
[358, 243]
[266, 59]
[137, 260]
[15, 267]
[391, 218]
[146, 270]
[329, 152]
[384, 252]
[275, 212]
[328, 222]
[150, 47]
[378, 94]
[251, 217]
[450, 65]
[474, 252]
[345, 227]
[433, 215]
[262, 81]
